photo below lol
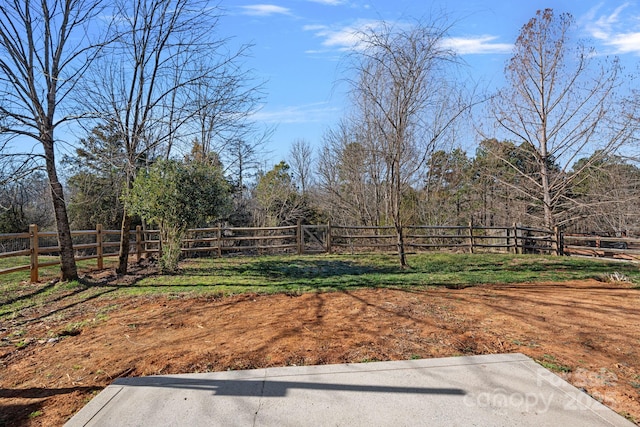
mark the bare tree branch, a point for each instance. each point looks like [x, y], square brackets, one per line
[44, 53]
[562, 101]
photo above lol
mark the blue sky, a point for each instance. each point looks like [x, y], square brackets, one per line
[298, 44]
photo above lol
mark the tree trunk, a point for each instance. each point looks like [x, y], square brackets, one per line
[125, 228]
[549, 220]
[123, 255]
[397, 214]
[401, 254]
[68, 269]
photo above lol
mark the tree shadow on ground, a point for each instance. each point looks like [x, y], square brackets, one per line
[26, 295]
[40, 392]
[296, 268]
[86, 289]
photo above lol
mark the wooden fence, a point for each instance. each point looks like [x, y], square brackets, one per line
[625, 248]
[470, 238]
[300, 239]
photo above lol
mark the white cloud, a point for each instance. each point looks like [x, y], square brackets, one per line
[329, 2]
[314, 27]
[625, 42]
[265, 10]
[318, 112]
[476, 45]
[604, 25]
[614, 30]
[349, 38]
[344, 38]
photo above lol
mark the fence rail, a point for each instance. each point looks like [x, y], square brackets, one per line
[99, 244]
[626, 248]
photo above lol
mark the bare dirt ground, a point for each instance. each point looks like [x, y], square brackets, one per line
[588, 332]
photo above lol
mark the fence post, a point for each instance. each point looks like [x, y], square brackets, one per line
[99, 250]
[138, 243]
[260, 242]
[516, 242]
[300, 237]
[145, 240]
[33, 247]
[557, 241]
[329, 237]
[219, 231]
[471, 236]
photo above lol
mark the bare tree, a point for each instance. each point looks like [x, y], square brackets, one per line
[224, 105]
[241, 159]
[25, 201]
[406, 100]
[165, 82]
[607, 194]
[350, 175]
[561, 101]
[328, 174]
[44, 52]
[301, 161]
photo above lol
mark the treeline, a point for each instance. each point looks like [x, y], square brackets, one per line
[455, 188]
[341, 185]
[170, 142]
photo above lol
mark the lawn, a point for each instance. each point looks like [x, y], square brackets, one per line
[299, 274]
[61, 343]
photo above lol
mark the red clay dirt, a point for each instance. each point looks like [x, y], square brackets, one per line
[586, 331]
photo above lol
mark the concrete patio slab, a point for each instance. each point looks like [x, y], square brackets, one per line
[489, 390]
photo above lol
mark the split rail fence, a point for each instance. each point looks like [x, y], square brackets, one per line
[42, 248]
[626, 248]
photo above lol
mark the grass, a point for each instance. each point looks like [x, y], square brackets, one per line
[269, 274]
[16, 279]
[298, 274]
[17, 293]
[549, 362]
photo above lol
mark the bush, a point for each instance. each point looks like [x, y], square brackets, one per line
[175, 196]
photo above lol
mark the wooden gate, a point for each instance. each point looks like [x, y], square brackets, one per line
[315, 238]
